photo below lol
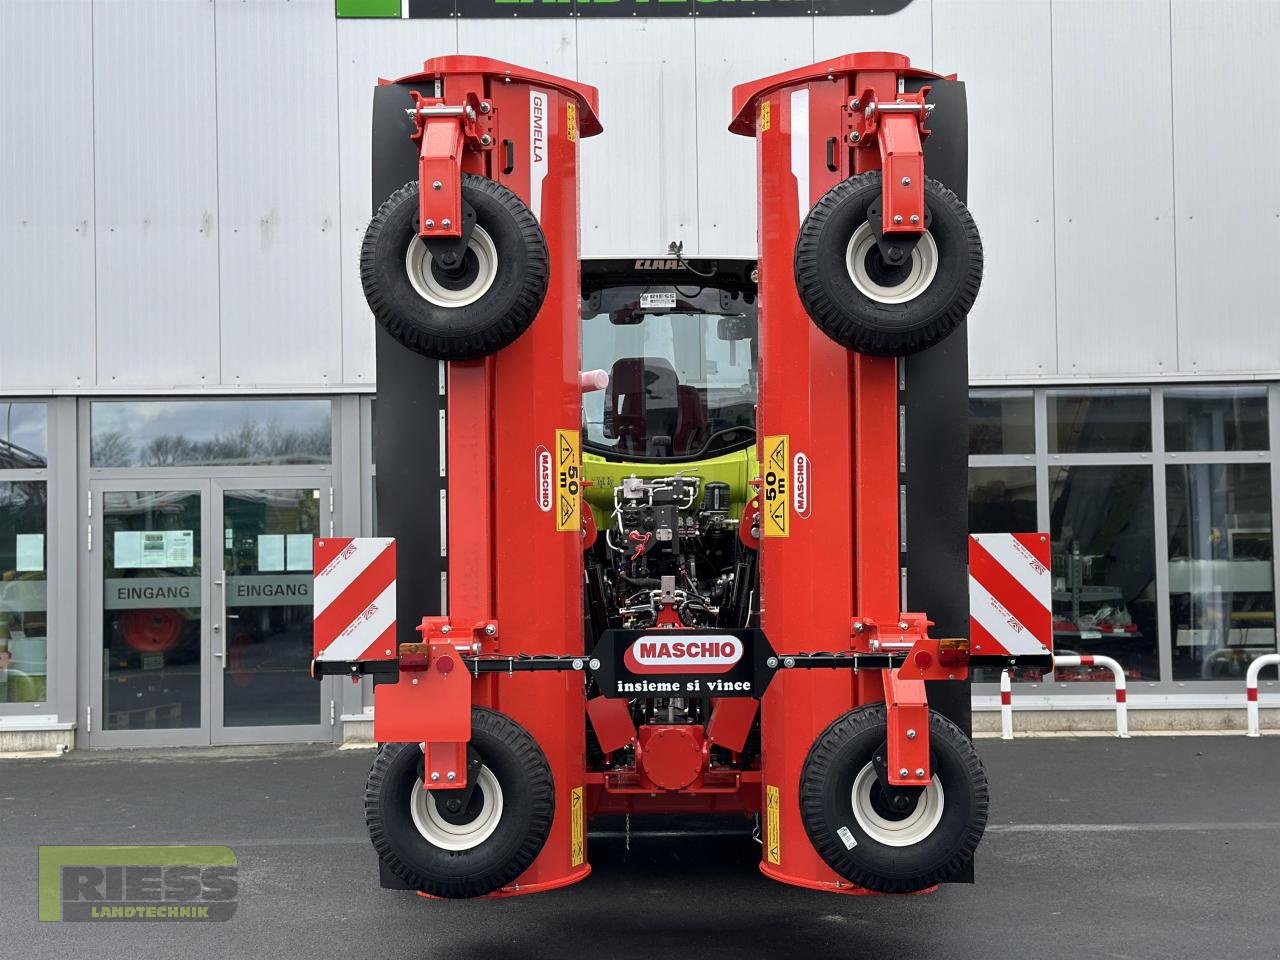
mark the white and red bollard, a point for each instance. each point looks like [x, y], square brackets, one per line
[1117, 671]
[1251, 690]
[1006, 706]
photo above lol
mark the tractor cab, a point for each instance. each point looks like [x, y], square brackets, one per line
[669, 440]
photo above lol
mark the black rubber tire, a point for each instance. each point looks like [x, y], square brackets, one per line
[476, 329]
[826, 790]
[528, 807]
[853, 319]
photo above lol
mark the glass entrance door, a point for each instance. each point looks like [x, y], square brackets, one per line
[203, 623]
[262, 689]
[149, 677]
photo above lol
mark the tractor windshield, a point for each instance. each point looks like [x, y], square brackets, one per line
[683, 369]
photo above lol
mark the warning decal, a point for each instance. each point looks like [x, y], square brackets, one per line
[776, 502]
[765, 118]
[576, 852]
[571, 121]
[568, 481]
[772, 843]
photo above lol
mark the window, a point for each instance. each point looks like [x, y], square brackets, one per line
[24, 442]
[1221, 588]
[1111, 421]
[1001, 421]
[1215, 418]
[23, 591]
[210, 433]
[1002, 499]
[1104, 571]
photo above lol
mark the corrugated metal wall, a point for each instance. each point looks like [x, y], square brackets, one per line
[185, 182]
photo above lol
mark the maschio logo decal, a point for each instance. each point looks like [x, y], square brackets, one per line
[800, 480]
[543, 478]
[710, 653]
[189, 883]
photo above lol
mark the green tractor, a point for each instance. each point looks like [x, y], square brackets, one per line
[669, 444]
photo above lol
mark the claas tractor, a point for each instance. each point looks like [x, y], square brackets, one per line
[699, 517]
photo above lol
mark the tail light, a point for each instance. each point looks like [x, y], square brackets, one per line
[953, 652]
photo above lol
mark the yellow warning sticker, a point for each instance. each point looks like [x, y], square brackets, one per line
[571, 121]
[776, 510]
[568, 481]
[765, 115]
[577, 853]
[772, 843]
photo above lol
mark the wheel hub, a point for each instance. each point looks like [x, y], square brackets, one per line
[899, 820]
[453, 281]
[465, 828]
[884, 282]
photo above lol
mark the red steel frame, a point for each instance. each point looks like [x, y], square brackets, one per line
[515, 581]
[515, 578]
[840, 410]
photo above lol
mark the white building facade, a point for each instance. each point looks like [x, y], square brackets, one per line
[186, 358]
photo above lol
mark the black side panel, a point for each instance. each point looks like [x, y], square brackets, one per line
[406, 434]
[937, 441]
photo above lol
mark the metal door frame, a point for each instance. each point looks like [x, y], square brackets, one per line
[280, 733]
[94, 584]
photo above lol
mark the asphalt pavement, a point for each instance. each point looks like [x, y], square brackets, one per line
[1151, 847]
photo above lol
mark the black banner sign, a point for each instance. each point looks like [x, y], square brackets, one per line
[682, 663]
[529, 9]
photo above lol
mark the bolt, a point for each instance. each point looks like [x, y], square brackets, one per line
[435, 775]
[859, 626]
[771, 663]
[445, 223]
[903, 773]
[446, 628]
[485, 106]
[490, 630]
[915, 218]
[387, 652]
[437, 185]
[911, 734]
[854, 104]
[594, 664]
[951, 676]
[919, 771]
[430, 224]
[906, 181]
[789, 662]
[577, 663]
[454, 776]
[855, 137]
[902, 624]
[415, 681]
[897, 218]
[485, 140]
[453, 806]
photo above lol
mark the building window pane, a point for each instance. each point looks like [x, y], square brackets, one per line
[1215, 418]
[23, 596]
[24, 441]
[1221, 589]
[209, 433]
[1002, 499]
[1112, 421]
[1001, 421]
[1104, 584]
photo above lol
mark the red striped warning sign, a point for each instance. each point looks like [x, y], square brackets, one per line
[355, 598]
[1010, 595]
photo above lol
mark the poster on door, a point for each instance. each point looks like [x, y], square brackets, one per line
[154, 548]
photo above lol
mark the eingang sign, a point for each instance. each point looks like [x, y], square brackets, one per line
[501, 9]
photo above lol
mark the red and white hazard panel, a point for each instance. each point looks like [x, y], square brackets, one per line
[355, 598]
[1010, 595]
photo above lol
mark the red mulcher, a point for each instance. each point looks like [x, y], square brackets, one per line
[518, 716]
